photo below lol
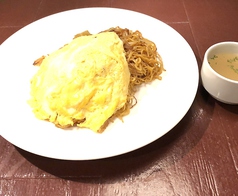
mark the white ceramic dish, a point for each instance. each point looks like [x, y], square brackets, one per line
[161, 105]
[221, 88]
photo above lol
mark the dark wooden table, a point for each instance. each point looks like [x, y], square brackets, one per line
[197, 157]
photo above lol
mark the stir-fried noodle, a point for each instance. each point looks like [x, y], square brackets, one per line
[145, 63]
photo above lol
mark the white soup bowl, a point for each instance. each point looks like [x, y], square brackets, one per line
[221, 88]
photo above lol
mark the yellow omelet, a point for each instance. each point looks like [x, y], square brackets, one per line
[83, 83]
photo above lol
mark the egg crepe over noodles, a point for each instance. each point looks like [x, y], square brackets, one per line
[83, 83]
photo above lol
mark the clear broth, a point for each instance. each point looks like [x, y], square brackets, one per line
[226, 64]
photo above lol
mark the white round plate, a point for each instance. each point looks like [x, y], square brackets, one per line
[161, 105]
